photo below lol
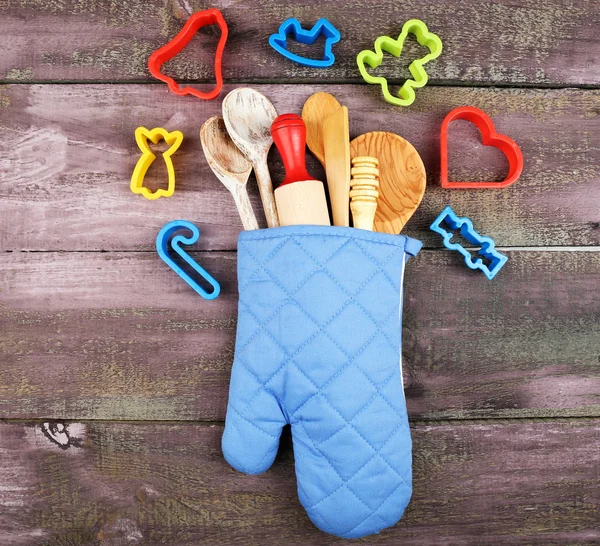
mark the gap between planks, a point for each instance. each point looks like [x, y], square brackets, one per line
[227, 252]
[412, 422]
[309, 81]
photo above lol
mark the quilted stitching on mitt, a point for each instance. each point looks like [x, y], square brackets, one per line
[318, 346]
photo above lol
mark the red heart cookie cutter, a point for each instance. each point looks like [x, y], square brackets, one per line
[489, 137]
[170, 50]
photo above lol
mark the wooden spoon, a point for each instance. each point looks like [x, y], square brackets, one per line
[248, 117]
[229, 165]
[318, 107]
[402, 178]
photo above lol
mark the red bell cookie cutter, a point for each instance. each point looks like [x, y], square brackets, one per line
[170, 50]
[489, 137]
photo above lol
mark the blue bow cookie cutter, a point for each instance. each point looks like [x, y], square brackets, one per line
[322, 27]
[487, 250]
[162, 247]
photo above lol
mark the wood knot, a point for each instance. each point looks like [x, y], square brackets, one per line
[58, 433]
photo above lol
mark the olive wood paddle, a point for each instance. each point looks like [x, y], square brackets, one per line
[402, 178]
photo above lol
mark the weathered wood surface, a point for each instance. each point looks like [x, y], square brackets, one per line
[67, 154]
[229, 165]
[119, 336]
[402, 179]
[503, 41]
[125, 483]
[248, 116]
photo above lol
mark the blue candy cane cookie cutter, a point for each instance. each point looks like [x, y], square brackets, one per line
[162, 247]
[322, 27]
[487, 250]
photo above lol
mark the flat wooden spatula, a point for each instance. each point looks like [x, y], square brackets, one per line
[336, 144]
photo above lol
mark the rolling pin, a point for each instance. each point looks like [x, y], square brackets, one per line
[300, 198]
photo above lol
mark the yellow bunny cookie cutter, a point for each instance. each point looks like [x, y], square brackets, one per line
[142, 136]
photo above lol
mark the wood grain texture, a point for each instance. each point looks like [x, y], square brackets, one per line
[136, 483]
[303, 202]
[120, 336]
[402, 178]
[248, 116]
[229, 165]
[336, 142]
[67, 155]
[364, 192]
[491, 41]
[315, 111]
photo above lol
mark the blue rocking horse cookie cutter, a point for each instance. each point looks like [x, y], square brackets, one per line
[487, 250]
[162, 247]
[292, 26]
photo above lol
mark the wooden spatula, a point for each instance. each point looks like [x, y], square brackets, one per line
[336, 142]
[318, 107]
[402, 178]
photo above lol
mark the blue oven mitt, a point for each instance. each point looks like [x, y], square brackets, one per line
[319, 347]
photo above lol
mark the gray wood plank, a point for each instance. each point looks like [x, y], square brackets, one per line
[516, 483]
[548, 42]
[68, 152]
[120, 336]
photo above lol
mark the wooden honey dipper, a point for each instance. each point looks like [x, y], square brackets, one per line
[363, 192]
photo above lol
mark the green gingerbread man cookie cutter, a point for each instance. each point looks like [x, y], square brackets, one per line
[394, 47]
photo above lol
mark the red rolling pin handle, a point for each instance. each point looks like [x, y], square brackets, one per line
[289, 135]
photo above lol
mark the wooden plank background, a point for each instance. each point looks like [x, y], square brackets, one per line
[113, 336]
[68, 154]
[506, 42]
[114, 377]
[145, 483]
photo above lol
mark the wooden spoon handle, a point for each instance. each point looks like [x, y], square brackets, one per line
[265, 186]
[242, 202]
